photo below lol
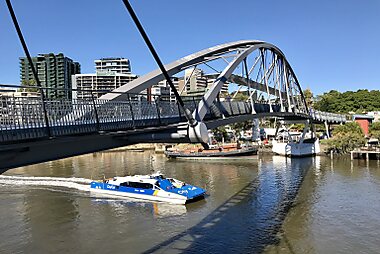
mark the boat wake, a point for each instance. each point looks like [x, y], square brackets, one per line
[71, 183]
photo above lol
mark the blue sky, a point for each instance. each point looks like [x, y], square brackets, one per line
[330, 44]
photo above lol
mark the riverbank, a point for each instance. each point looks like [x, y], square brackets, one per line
[161, 147]
[156, 147]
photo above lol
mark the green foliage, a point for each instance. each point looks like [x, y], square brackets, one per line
[374, 130]
[298, 126]
[28, 82]
[241, 96]
[360, 101]
[345, 138]
[308, 97]
[242, 126]
[220, 133]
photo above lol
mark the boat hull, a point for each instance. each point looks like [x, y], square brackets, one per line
[296, 149]
[204, 155]
[139, 196]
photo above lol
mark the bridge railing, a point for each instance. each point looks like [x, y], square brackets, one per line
[22, 117]
[321, 116]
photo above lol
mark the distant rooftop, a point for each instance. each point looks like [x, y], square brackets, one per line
[112, 58]
[362, 117]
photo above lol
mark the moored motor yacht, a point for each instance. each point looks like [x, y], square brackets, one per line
[296, 145]
[154, 187]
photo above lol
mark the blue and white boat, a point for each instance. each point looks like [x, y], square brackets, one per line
[153, 187]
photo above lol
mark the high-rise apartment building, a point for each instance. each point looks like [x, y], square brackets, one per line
[54, 71]
[99, 83]
[163, 90]
[195, 80]
[111, 73]
[113, 64]
[193, 83]
[211, 80]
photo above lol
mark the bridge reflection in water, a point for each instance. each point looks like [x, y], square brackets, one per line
[248, 221]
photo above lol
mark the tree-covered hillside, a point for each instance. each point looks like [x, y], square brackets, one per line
[360, 101]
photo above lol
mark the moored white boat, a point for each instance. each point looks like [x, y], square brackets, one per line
[296, 149]
[153, 187]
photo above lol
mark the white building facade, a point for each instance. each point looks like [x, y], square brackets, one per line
[111, 73]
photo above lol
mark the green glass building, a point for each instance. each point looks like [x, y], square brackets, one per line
[53, 71]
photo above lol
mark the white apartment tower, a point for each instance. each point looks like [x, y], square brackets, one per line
[111, 73]
[113, 64]
[163, 90]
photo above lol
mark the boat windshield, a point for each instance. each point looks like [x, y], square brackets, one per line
[176, 183]
[166, 184]
[159, 177]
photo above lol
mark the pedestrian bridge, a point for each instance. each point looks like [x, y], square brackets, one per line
[35, 130]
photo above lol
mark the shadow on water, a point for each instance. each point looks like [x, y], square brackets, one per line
[248, 221]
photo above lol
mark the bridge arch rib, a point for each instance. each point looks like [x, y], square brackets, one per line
[284, 84]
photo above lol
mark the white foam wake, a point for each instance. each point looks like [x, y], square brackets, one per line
[72, 183]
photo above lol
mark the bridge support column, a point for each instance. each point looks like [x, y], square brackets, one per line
[198, 133]
[327, 129]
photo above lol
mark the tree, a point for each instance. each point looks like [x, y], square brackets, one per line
[220, 134]
[242, 126]
[374, 130]
[241, 96]
[345, 138]
[308, 97]
[360, 101]
[28, 82]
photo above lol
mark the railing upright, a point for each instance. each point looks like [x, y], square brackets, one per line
[158, 109]
[95, 112]
[131, 109]
[179, 112]
[230, 104]
[46, 117]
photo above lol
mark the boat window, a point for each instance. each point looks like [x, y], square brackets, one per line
[160, 177]
[140, 185]
[125, 184]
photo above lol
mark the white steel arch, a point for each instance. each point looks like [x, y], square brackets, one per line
[270, 79]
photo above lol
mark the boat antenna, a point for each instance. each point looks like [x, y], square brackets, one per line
[180, 102]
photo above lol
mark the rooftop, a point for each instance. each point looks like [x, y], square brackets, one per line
[357, 116]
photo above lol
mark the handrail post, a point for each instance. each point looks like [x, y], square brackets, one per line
[131, 109]
[232, 111]
[46, 118]
[95, 112]
[158, 109]
[179, 111]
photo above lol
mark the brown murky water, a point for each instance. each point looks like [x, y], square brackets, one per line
[259, 204]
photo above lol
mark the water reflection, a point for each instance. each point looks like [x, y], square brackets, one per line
[151, 208]
[266, 204]
[250, 219]
[336, 210]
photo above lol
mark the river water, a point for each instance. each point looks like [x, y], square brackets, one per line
[261, 204]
